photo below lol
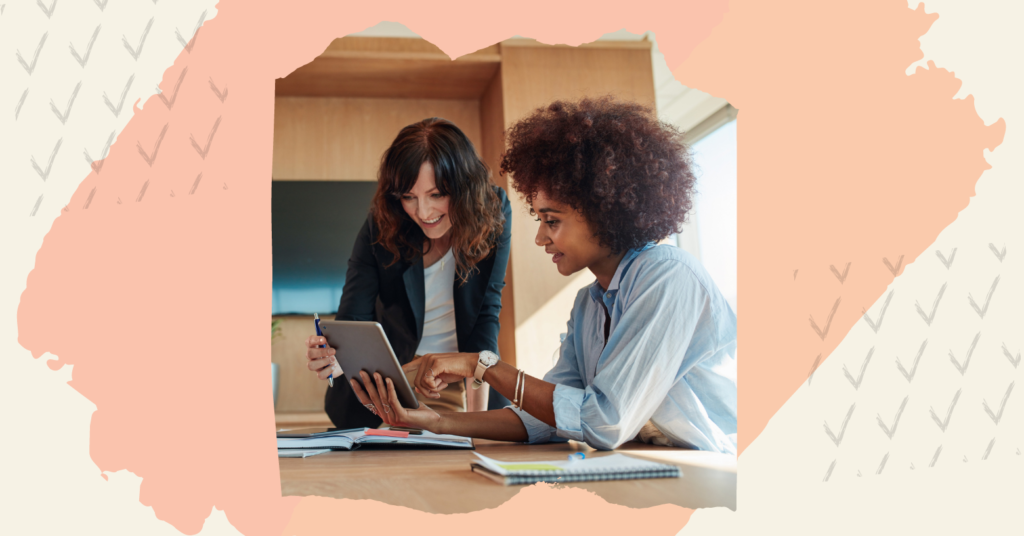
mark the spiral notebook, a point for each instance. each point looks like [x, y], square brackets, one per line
[611, 467]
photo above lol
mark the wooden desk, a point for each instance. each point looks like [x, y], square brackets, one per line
[439, 481]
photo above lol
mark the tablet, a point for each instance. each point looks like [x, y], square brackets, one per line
[364, 346]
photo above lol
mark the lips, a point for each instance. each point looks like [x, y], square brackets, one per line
[557, 257]
[432, 223]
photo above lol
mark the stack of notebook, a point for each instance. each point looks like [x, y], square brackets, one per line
[611, 467]
[307, 444]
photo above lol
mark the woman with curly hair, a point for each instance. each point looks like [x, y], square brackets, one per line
[651, 344]
[428, 265]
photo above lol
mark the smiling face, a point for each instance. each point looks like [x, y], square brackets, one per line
[426, 205]
[567, 237]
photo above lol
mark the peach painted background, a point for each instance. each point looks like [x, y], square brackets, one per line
[843, 158]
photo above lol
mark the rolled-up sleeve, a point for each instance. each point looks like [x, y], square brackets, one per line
[654, 343]
[565, 375]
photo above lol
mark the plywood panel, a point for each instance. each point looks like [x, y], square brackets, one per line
[299, 389]
[391, 67]
[533, 76]
[322, 138]
[492, 125]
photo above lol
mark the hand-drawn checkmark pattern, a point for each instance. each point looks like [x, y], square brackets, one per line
[909, 375]
[988, 299]
[863, 368]
[83, 59]
[996, 417]
[929, 317]
[187, 45]
[962, 367]
[972, 358]
[828, 321]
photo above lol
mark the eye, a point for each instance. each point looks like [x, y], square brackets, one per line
[437, 196]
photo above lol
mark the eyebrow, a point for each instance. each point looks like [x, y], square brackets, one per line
[548, 211]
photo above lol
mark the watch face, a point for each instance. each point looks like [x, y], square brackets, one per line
[489, 359]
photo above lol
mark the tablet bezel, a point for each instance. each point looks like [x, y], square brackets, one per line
[365, 346]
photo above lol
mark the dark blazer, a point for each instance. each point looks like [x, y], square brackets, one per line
[395, 297]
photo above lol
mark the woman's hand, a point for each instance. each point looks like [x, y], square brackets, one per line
[321, 360]
[379, 396]
[435, 371]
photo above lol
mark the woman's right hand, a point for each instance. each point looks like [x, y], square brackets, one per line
[321, 360]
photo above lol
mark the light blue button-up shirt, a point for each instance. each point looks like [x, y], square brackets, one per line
[670, 358]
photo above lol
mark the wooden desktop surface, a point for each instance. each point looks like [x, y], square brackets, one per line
[440, 481]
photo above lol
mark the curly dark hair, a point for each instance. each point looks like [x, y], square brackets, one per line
[474, 207]
[628, 174]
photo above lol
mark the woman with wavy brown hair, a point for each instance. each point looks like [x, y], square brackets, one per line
[428, 265]
[650, 348]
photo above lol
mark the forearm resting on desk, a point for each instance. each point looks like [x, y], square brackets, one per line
[499, 425]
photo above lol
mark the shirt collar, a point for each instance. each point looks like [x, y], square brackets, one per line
[620, 271]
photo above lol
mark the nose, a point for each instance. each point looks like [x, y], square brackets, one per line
[424, 209]
[542, 237]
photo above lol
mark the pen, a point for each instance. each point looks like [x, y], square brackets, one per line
[316, 322]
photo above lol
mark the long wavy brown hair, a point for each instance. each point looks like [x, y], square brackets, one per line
[473, 206]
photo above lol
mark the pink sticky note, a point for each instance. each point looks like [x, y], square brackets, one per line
[388, 433]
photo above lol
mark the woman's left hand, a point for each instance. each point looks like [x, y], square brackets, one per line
[379, 396]
[435, 371]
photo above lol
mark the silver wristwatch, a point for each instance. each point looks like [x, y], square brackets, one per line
[487, 360]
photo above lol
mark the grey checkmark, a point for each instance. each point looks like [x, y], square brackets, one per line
[814, 367]
[82, 60]
[946, 262]
[159, 139]
[142, 192]
[935, 307]
[21, 101]
[882, 465]
[48, 11]
[935, 457]
[842, 431]
[828, 322]
[174, 96]
[195, 184]
[881, 314]
[988, 299]
[225, 186]
[949, 413]
[89, 200]
[894, 269]
[124, 93]
[102, 5]
[892, 431]
[49, 163]
[203, 151]
[67, 111]
[172, 193]
[36, 207]
[967, 361]
[828, 474]
[794, 274]
[912, 466]
[30, 67]
[999, 254]
[910, 375]
[840, 277]
[863, 367]
[996, 417]
[988, 450]
[97, 165]
[191, 42]
[1009, 356]
[221, 96]
[136, 52]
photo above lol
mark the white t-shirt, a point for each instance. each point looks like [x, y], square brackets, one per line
[439, 308]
